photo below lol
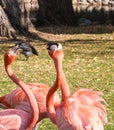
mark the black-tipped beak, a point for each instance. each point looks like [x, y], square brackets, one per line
[49, 44]
[27, 48]
[34, 51]
[16, 50]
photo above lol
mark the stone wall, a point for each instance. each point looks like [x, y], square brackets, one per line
[94, 2]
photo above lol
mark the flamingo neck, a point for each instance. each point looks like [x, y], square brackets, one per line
[28, 93]
[50, 96]
[64, 87]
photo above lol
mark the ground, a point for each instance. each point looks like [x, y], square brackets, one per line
[88, 62]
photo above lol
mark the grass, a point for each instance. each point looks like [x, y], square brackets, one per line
[88, 63]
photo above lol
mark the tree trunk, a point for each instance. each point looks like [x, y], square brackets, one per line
[55, 12]
[17, 15]
[5, 27]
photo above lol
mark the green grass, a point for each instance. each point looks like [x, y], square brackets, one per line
[88, 63]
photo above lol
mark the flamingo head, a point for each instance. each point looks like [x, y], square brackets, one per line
[19, 48]
[27, 48]
[11, 55]
[55, 50]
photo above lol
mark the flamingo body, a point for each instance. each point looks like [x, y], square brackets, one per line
[18, 100]
[82, 110]
[15, 119]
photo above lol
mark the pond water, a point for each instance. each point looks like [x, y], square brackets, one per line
[93, 14]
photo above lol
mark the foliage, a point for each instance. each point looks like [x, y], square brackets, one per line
[88, 63]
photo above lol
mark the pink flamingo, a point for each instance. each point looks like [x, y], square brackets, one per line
[15, 119]
[17, 98]
[81, 110]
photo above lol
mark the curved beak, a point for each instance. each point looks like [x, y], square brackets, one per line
[49, 44]
[52, 46]
[27, 48]
[16, 50]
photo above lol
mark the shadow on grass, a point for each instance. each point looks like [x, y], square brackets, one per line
[92, 29]
[87, 41]
[7, 44]
[63, 34]
[44, 33]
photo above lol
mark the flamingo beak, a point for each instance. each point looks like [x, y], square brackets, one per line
[27, 48]
[54, 46]
[15, 50]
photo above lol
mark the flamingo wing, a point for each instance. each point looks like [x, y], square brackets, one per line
[18, 100]
[82, 111]
[12, 119]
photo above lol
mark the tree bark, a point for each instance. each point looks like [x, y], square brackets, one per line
[17, 15]
[6, 28]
